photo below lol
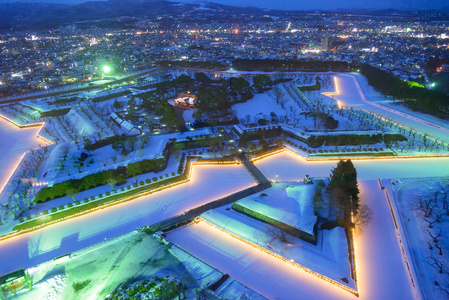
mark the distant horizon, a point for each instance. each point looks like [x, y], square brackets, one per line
[293, 4]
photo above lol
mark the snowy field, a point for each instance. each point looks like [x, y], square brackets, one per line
[381, 272]
[103, 269]
[290, 167]
[261, 272]
[329, 257]
[380, 269]
[424, 241]
[262, 105]
[207, 184]
[290, 203]
[14, 142]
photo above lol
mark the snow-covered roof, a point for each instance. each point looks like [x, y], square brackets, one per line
[126, 126]
[186, 98]
[289, 204]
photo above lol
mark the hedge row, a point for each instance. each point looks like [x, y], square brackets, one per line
[260, 152]
[278, 224]
[101, 178]
[334, 150]
[204, 141]
[353, 139]
[92, 204]
[265, 133]
[105, 142]
[181, 164]
[55, 112]
[63, 101]
[315, 87]
[347, 139]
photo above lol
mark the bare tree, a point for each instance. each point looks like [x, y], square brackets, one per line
[435, 237]
[278, 95]
[111, 181]
[422, 205]
[72, 192]
[431, 222]
[363, 217]
[437, 263]
[277, 234]
[444, 288]
[439, 246]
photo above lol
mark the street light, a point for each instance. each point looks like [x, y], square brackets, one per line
[106, 69]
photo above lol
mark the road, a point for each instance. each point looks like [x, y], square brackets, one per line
[350, 95]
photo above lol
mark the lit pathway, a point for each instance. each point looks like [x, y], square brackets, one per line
[349, 96]
[207, 184]
[289, 167]
[263, 273]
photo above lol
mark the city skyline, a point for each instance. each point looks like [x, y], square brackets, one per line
[293, 4]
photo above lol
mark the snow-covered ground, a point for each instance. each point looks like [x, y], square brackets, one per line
[207, 183]
[290, 203]
[407, 193]
[260, 271]
[262, 105]
[99, 270]
[329, 257]
[372, 95]
[14, 142]
[380, 271]
[349, 96]
[290, 167]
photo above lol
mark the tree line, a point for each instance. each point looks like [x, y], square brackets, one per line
[416, 96]
[215, 99]
[277, 65]
[193, 64]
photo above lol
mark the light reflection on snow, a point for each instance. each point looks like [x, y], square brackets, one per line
[290, 167]
[209, 182]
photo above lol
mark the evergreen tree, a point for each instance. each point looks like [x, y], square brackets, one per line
[344, 191]
[117, 104]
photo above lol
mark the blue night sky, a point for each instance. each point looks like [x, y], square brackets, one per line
[302, 4]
